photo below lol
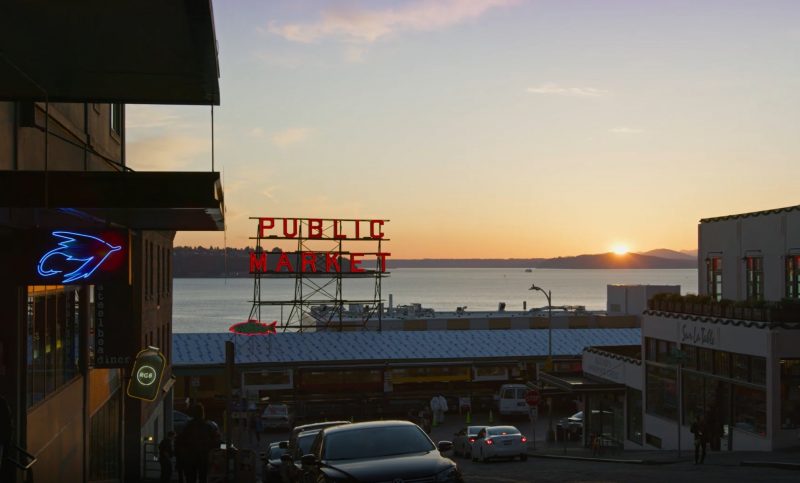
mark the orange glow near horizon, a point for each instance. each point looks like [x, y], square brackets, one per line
[620, 249]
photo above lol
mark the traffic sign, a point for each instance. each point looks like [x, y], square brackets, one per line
[532, 397]
[146, 374]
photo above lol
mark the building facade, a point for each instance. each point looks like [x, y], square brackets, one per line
[86, 241]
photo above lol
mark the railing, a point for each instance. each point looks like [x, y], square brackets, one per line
[730, 310]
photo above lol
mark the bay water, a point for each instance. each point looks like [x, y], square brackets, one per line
[214, 304]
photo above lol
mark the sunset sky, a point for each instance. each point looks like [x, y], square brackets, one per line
[495, 128]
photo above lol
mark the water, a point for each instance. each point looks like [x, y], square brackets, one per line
[213, 304]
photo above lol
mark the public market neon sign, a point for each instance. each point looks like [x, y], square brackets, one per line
[81, 253]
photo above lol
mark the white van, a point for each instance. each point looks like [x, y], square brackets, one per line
[511, 400]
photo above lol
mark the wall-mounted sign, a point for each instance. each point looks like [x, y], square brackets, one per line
[114, 334]
[253, 327]
[79, 257]
[146, 375]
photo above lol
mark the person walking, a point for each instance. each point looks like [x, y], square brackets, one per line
[435, 410]
[699, 430]
[442, 408]
[166, 451]
[196, 441]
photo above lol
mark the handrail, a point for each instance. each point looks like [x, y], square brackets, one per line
[19, 464]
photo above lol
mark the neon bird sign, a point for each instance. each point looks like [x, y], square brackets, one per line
[86, 251]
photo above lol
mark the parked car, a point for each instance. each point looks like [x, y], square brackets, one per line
[464, 439]
[500, 442]
[573, 424]
[379, 451]
[291, 462]
[276, 416]
[271, 470]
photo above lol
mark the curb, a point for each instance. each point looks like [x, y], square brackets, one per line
[601, 460]
[772, 464]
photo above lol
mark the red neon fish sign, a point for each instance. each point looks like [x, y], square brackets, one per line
[254, 327]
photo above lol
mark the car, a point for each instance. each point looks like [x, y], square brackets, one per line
[499, 442]
[464, 439]
[511, 400]
[271, 472]
[573, 424]
[378, 451]
[292, 469]
[276, 416]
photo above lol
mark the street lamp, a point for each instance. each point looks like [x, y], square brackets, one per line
[549, 364]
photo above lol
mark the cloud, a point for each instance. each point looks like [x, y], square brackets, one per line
[287, 137]
[557, 90]
[626, 130]
[168, 153]
[356, 25]
[145, 117]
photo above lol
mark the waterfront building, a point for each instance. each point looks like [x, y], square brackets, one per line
[71, 331]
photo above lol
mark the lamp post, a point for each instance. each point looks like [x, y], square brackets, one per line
[549, 364]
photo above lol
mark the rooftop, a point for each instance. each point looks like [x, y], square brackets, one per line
[752, 214]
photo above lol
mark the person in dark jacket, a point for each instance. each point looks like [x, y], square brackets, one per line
[194, 444]
[166, 451]
[699, 431]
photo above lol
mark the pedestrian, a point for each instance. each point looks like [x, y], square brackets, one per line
[196, 441]
[435, 410]
[442, 408]
[253, 424]
[699, 430]
[166, 450]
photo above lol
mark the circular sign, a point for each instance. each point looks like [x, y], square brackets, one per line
[532, 397]
[146, 375]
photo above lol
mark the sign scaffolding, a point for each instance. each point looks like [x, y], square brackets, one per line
[319, 258]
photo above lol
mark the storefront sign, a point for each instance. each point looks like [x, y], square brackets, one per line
[146, 375]
[72, 257]
[114, 335]
[700, 336]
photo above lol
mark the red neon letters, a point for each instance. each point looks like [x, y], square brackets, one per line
[312, 262]
[319, 229]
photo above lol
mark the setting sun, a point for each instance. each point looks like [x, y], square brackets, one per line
[620, 249]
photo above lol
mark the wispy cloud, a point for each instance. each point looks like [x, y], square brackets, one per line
[168, 152]
[144, 117]
[626, 130]
[355, 25]
[290, 136]
[557, 90]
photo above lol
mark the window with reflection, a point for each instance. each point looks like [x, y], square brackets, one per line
[750, 410]
[754, 276]
[790, 393]
[662, 394]
[714, 277]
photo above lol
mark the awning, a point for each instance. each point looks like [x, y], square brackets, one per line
[579, 383]
[122, 51]
[177, 201]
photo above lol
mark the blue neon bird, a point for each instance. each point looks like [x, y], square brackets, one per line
[86, 251]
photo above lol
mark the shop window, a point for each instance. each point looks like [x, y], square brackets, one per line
[662, 394]
[741, 367]
[790, 393]
[754, 276]
[705, 360]
[750, 410]
[690, 359]
[693, 396]
[104, 441]
[722, 363]
[758, 370]
[634, 413]
[714, 277]
[490, 373]
[116, 118]
[52, 339]
[793, 276]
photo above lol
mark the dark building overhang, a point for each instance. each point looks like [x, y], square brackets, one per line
[123, 51]
[176, 201]
[579, 383]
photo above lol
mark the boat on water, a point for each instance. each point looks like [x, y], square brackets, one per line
[528, 270]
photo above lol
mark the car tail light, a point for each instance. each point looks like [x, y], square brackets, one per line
[489, 442]
[524, 439]
[471, 440]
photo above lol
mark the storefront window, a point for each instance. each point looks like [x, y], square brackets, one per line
[750, 409]
[662, 394]
[705, 360]
[52, 339]
[722, 363]
[790, 393]
[758, 370]
[690, 361]
[693, 396]
[634, 412]
[741, 367]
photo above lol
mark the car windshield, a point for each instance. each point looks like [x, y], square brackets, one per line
[501, 430]
[376, 442]
[304, 442]
[473, 430]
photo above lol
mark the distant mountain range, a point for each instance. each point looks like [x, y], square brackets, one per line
[198, 262]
